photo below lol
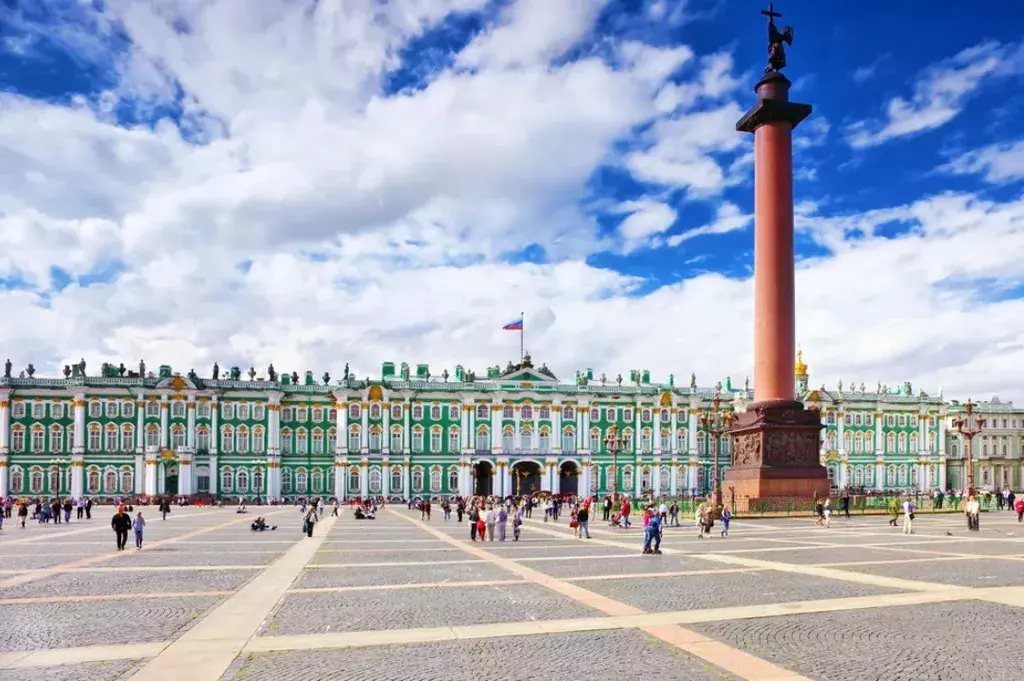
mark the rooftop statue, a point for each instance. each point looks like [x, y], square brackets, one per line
[776, 39]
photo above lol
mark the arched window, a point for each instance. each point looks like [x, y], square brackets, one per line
[526, 412]
[508, 440]
[287, 443]
[17, 438]
[375, 481]
[858, 443]
[666, 440]
[890, 476]
[453, 480]
[683, 444]
[454, 445]
[831, 418]
[227, 439]
[627, 440]
[127, 480]
[301, 441]
[94, 437]
[54, 480]
[702, 449]
[435, 439]
[17, 480]
[417, 411]
[595, 440]
[56, 439]
[847, 441]
[508, 412]
[568, 414]
[332, 440]
[152, 435]
[595, 415]
[435, 479]
[858, 476]
[36, 480]
[353, 479]
[396, 412]
[890, 443]
[901, 475]
[318, 481]
[482, 412]
[627, 478]
[353, 439]
[435, 413]
[258, 440]
[375, 410]
[93, 480]
[645, 478]
[645, 441]
[417, 440]
[396, 439]
[396, 479]
[526, 435]
[375, 439]
[483, 439]
[913, 442]
[110, 481]
[318, 441]
[544, 440]
[242, 480]
[663, 479]
[127, 437]
[257, 481]
[242, 438]
[301, 480]
[417, 479]
[869, 475]
[569, 439]
[286, 480]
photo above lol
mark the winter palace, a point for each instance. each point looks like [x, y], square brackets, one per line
[407, 433]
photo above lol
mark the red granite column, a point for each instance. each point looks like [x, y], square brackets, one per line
[776, 441]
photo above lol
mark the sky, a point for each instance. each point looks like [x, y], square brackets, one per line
[315, 183]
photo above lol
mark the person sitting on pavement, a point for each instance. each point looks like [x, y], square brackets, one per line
[259, 524]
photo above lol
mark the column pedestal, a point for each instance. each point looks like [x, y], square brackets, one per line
[775, 454]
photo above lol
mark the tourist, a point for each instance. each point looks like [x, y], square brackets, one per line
[309, 520]
[67, 509]
[517, 523]
[973, 511]
[481, 525]
[474, 515]
[894, 511]
[663, 511]
[491, 519]
[138, 524]
[165, 508]
[606, 509]
[828, 513]
[908, 516]
[673, 514]
[819, 512]
[652, 532]
[460, 509]
[626, 508]
[426, 510]
[1018, 506]
[55, 508]
[23, 513]
[726, 517]
[583, 518]
[88, 508]
[334, 509]
[121, 523]
[502, 522]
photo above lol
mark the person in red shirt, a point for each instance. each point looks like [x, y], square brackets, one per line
[625, 511]
[1018, 506]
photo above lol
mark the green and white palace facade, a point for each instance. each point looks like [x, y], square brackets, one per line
[408, 434]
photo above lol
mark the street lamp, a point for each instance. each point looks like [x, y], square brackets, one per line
[59, 464]
[613, 444]
[967, 428]
[716, 422]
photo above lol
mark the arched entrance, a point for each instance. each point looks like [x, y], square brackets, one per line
[483, 478]
[569, 478]
[525, 477]
[171, 480]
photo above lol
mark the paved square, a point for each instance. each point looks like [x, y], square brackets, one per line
[397, 598]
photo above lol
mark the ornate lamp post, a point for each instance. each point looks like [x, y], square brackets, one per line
[613, 444]
[716, 422]
[59, 464]
[968, 426]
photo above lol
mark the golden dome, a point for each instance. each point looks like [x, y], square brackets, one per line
[800, 368]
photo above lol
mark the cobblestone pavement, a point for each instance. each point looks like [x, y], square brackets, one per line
[396, 598]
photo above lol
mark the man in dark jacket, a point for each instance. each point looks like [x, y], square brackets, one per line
[121, 523]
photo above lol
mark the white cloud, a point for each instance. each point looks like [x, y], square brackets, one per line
[372, 227]
[997, 163]
[728, 218]
[645, 219]
[940, 94]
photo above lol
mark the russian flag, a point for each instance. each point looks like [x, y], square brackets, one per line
[517, 325]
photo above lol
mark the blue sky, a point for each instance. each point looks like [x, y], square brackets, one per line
[197, 182]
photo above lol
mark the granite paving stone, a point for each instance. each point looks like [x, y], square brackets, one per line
[618, 566]
[174, 556]
[104, 583]
[385, 557]
[113, 670]
[372, 610]
[983, 572]
[400, 574]
[941, 642]
[605, 656]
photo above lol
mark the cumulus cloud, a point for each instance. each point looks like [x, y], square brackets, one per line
[998, 163]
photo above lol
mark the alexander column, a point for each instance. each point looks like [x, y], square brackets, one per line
[776, 442]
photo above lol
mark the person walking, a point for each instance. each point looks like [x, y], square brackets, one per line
[583, 518]
[67, 509]
[309, 520]
[138, 524]
[652, 534]
[726, 517]
[894, 511]
[23, 513]
[1018, 506]
[673, 514]
[828, 513]
[491, 518]
[474, 515]
[121, 523]
[80, 505]
[165, 507]
[606, 507]
[908, 516]
[334, 509]
[517, 523]
[502, 522]
[973, 510]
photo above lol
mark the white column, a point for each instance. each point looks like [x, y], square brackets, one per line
[465, 431]
[385, 436]
[364, 432]
[364, 478]
[656, 435]
[165, 430]
[584, 491]
[407, 433]
[841, 425]
[673, 477]
[942, 473]
[673, 437]
[535, 443]
[385, 479]
[583, 427]
[556, 428]
[215, 476]
[506, 480]
[517, 438]
[496, 412]
[140, 440]
[922, 434]
[879, 435]
[341, 425]
[656, 479]
[691, 474]
[940, 437]
[691, 437]
[879, 476]
[78, 477]
[140, 474]
[190, 427]
[3, 475]
[340, 479]
[214, 427]
[407, 471]
[185, 474]
[151, 474]
[5, 425]
[79, 446]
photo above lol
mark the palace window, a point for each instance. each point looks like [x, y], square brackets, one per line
[56, 439]
[242, 439]
[178, 410]
[890, 420]
[152, 408]
[110, 481]
[913, 421]
[453, 479]
[259, 412]
[595, 440]
[847, 441]
[482, 411]
[902, 420]
[332, 440]
[258, 440]
[890, 476]
[508, 440]
[645, 415]
[568, 414]
[111, 410]
[627, 478]
[318, 441]
[354, 445]
[830, 419]
[483, 439]
[36, 481]
[226, 481]
[17, 480]
[417, 479]
[375, 411]
[858, 418]
[242, 481]
[610, 414]
[858, 443]
[453, 412]
[243, 412]
[54, 480]
[57, 410]
[318, 414]
[203, 438]
[509, 412]
[152, 435]
[93, 480]
[435, 413]
[112, 439]
[544, 412]
[666, 440]
[417, 440]
[257, 480]
[94, 438]
[568, 440]
[544, 441]
[435, 479]
[417, 412]
[396, 412]
[848, 419]
[396, 479]
[38, 410]
[374, 439]
[890, 443]
[595, 415]
[38, 439]
[18, 410]
[627, 415]
[353, 479]
[435, 440]
[902, 443]
[526, 412]
[375, 478]
[453, 441]
[227, 440]
[396, 440]
[127, 436]
[914, 442]
[526, 437]
[645, 441]
[627, 441]
[203, 410]
[95, 409]
[869, 419]
[286, 413]
[353, 411]
[645, 478]
[301, 441]
[302, 414]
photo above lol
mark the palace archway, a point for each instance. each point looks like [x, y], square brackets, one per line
[569, 478]
[526, 477]
[483, 478]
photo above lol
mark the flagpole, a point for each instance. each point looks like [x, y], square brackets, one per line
[522, 336]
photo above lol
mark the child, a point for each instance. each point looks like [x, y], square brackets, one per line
[137, 525]
[726, 517]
